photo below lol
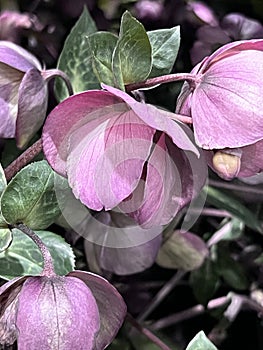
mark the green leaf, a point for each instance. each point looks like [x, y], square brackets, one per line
[204, 281]
[23, 257]
[230, 270]
[201, 342]
[30, 196]
[5, 238]
[76, 59]
[3, 235]
[224, 201]
[132, 57]
[102, 45]
[165, 45]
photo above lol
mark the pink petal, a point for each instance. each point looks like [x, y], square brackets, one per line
[56, 313]
[251, 160]
[227, 105]
[32, 106]
[106, 166]
[158, 119]
[67, 115]
[112, 308]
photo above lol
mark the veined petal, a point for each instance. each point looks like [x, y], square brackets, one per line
[158, 119]
[10, 80]
[17, 57]
[69, 115]
[56, 313]
[227, 105]
[112, 308]
[106, 166]
[32, 106]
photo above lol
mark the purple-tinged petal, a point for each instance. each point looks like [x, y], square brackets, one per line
[17, 57]
[10, 80]
[158, 119]
[8, 310]
[32, 106]
[105, 167]
[203, 12]
[56, 313]
[226, 105]
[251, 160]
[67, 115]
[112, 308]
[182, 250]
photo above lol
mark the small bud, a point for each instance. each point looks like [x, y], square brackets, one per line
[226, 165]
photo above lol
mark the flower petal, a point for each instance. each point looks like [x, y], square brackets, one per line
[10, 80]
[158, 119]
[56, 313]
[79, 108]
[32, 106]
[227, 105]
[112, 308]
[17, 57]
[106, 166]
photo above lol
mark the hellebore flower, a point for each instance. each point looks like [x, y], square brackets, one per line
[23, 94]
[78, 311]
[116, 151]
[225, 103]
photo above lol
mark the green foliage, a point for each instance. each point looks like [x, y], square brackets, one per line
[102, 45]
[76, 59]
[23, 257]
[132, 57]
[222, 200]
[30, 197]
[201, 342]
[204, 281]
[165, 44]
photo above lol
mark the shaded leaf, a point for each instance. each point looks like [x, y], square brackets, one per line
[30, 196]
[76, 59]
[222, 200]
[23, 257]
[204, 281]
[201, 342]
[165, 44]
[182, 251]
[102, 45]
[132, 57]
[5, 238]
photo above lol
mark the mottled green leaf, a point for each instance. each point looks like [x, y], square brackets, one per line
[23, 257]
[76, 59]
[102, 45]
[165, 45]
[184, 251]
[225, 201]
[5, 238]
[201, 342]
[204, 281]
[30, 196]
[132, 57]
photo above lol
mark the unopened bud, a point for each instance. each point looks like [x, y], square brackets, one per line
[226, 165]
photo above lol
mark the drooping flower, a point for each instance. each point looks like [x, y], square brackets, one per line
[116, 151]
[225, 104]
[23, 94]
[78, 311]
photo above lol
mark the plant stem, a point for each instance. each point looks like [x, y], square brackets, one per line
[190, 78]
[163, 292]
[52, 73]
[23, 159]
[153, 338]
[236, 187]
[48, 269]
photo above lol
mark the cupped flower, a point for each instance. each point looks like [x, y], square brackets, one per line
[77, 311]
[225, 104]
[23, 94]
[116, 151]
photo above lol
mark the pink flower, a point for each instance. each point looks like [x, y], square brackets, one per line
[77, 311]
[225, 104]
[116, 151]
